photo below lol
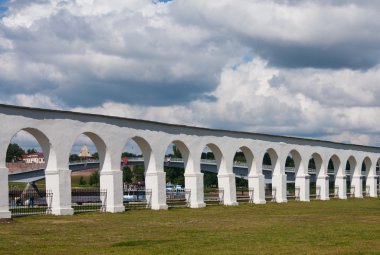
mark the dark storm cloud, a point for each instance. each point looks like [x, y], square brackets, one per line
[91, 93]
[301, 56]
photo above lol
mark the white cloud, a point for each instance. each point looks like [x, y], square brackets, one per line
[314, 70]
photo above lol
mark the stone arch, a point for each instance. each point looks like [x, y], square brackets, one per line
[187, 156]
[318, 163]
[274, 158]
[367, 162]
[248, 154]
[353, 165]
[297, 158]
[147, 152]
[219, 157]
[336, 162]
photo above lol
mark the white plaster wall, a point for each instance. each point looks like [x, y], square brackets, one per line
[57, 131]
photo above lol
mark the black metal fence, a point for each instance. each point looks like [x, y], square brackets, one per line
[214, 197]
[139, 198]
[178, 197]
[29, 201]
[88, 200]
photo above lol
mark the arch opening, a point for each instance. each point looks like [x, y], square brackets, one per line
[315, 170]
[243, 160]
[270, 167]
[177, 162]
[351, 166]
[135, 161]
[211, 163]
[88, 156]
[30, 154]
[365, 170]
[332, 170]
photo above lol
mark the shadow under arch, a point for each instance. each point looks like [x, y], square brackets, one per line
[367, 167]
[147, 153]
[278, 188]
[334, 162]
[187, 157]
[249, 157]
[219, 157]
[275, 164]
[322, 180]
[318, 164]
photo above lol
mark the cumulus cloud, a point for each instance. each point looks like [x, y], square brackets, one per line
[304, 68]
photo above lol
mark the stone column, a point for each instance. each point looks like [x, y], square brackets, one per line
[323, 183]
[257, 183]
[59, 182]
[4, 194]
[356, 181]
[341, 182]
[227, 182]
[112, 182]
[303, 182]
[372, 183]
[155, 182]
[279, 182]
[194, 182]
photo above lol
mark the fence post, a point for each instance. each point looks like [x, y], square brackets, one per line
[297, 193]
[221, 196]
[251, 195]
[188, 197]
[49, 199]
[318, 192]
[274, 194]
[103, 199]
[148, 197]
[336, 191]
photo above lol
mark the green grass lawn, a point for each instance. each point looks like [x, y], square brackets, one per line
[319, 227]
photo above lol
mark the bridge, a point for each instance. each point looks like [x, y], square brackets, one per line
[240, 169]
[56, 132]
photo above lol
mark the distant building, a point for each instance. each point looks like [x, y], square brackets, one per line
[85, 153]
[37, 157]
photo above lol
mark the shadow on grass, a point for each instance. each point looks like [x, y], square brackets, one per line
[139, 243]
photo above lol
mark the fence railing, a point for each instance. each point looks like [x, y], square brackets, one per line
[88, 200]
[178, 197]
[29, 202]
[214, 197]
[137, 198]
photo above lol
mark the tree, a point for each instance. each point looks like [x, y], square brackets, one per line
[95, 155]
[267, 160]
[289, 162]
[14, 152]
[74, 157]
[239, 156]
[210, 179]
[94, 179]
[31, 151]
[176, 152]
[82, 181]
[127, 174]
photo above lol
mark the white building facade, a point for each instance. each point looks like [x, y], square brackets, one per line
[56, 132]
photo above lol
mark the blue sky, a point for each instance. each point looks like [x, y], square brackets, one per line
[301, 68]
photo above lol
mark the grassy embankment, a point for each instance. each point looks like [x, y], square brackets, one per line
[318, 227]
